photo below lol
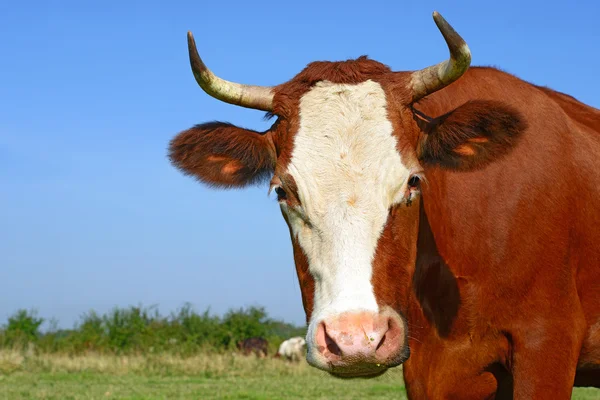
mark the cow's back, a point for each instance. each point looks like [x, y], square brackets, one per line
[581, 113]
[586, 157]
[522, 232]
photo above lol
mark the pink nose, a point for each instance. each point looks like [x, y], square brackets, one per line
[365, 340]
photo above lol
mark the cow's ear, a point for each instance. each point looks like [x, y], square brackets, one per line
[224, 155]
[472, 135]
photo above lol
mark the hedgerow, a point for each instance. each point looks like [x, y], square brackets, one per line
[143, 330]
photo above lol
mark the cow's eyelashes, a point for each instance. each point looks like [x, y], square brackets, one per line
[279, 191]
[281, 194]
[414, 182]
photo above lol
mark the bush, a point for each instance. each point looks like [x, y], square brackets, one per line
[192, 330]
[23, 328]
[136, 330]
[242, 324]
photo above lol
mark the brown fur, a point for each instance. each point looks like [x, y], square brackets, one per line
[257, 345]
[223, 155]
[496, 267]
[472, 135]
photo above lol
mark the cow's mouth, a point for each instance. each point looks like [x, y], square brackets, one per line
[359, 374]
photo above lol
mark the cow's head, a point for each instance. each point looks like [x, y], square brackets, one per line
[345, 158]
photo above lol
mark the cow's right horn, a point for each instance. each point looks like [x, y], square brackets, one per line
[257, 97]
[436, 77]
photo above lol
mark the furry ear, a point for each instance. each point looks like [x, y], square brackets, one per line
[224, 155]
[472, 135]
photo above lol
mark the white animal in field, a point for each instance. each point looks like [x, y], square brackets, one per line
[293, 349]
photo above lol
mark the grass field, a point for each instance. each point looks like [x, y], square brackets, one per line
[202, 377]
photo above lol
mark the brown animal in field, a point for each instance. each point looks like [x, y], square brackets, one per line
[257, 345]
[450, 214]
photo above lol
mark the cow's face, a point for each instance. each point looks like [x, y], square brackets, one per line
[344, 175]
[345, 158]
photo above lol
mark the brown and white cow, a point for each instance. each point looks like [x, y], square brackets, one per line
[453, 222]
[292, 349]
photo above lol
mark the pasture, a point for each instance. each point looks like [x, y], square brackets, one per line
[203, 376]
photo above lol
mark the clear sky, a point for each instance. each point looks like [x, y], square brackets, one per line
[92, 215]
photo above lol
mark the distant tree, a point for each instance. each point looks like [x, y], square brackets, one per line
[193, 329]
[143, 330]
[127, 328]
[23, 327]
[90, 333]
[244, 323]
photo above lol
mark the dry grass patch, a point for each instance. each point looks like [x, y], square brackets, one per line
[207, 364]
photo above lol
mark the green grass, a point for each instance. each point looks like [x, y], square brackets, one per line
[208, 376]
[94, 386]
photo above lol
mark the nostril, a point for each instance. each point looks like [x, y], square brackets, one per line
[381, 342]
[330, 344]
[389, 341]
[392, 341]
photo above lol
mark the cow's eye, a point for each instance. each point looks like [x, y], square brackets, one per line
[414, 182]
[281, 195]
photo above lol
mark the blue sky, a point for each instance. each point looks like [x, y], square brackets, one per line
[92, 215]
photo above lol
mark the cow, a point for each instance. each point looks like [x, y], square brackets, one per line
[446, 219]
[257, 345]
[292, 349]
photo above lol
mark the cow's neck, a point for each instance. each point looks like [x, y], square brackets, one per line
[435, 289]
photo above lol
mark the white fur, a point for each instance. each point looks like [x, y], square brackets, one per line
[349, 173]
[293, 348]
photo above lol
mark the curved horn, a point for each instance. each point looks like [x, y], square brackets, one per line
[436, 77]
[257, 97]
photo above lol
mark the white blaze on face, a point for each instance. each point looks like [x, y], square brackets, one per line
[348, 173]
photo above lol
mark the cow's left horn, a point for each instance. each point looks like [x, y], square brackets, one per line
[257, 97]
[436, 77]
